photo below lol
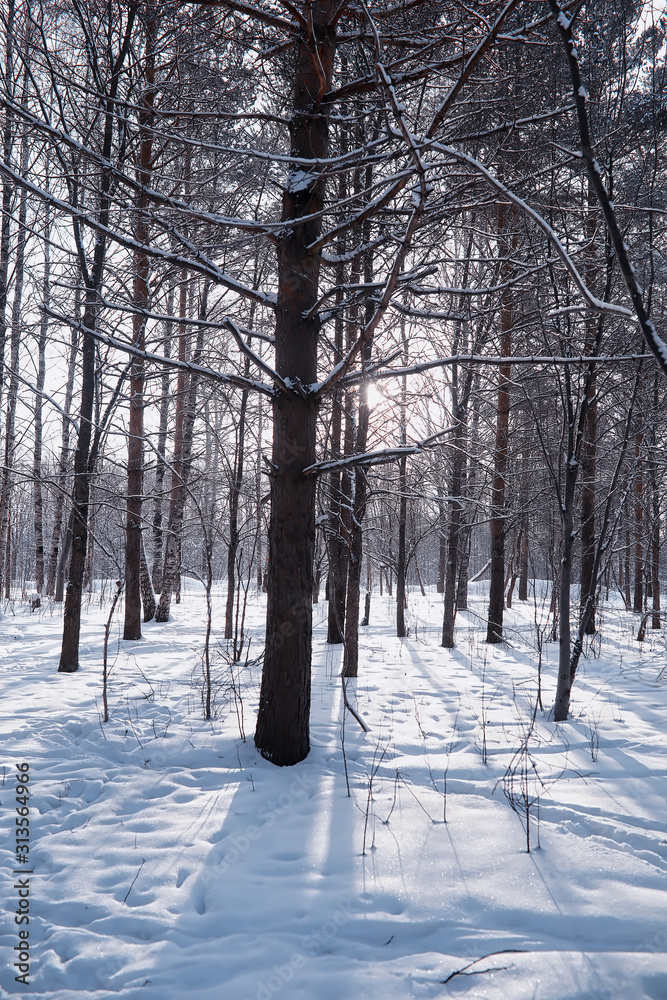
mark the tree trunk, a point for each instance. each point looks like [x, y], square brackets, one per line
[523, 566]
[401, 564]
[147, 593]
[12, 392]
[135, 439]
[63, 465]
[562, 704]
[186, 404]
[234, 498]
[41, 378]
[7, 194]
[638, 604]
[160, 460]
[498, 516]
[69, 654]
[282, 732]
[401, 561]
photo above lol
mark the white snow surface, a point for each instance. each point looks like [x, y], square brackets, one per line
[170, 860]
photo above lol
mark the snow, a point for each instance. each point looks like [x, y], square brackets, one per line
[171, 860]
[301, 180]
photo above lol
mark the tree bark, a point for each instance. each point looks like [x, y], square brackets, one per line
[12, 392]
[186, 405]
[135, 439]
[41, 378]
[638, 603]
[500, 459]
[63, 464]
[161, 449]
[69, 654]
[282, 732]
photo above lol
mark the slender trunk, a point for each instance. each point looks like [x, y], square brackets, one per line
[638, 604]
[562, 705]
[589, 442]
[340, 483]
[63, 465]
[41, 378]
[135, 439]
[7, 193]
[12, 392]
[498, 515]
[181, 465]
[523, 566]
[234, 499]
[401, 567]
[442, 552]
[453, 542]
[401, 561]
[161, 450]
[69, 655]
[351, 655]
[147, 593]
[655, 527]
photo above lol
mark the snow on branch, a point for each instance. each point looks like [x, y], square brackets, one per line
[480, 359]
[381, 457]
[200, 262]
[656, 344]
[230, 325]
[593, 301]
[239, 381]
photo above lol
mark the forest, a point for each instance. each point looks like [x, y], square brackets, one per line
[333, 353]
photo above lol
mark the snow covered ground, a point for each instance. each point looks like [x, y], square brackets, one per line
[169, 860]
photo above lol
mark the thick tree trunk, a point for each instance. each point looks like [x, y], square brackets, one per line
[282, 733]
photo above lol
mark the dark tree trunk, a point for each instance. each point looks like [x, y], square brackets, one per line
[69, 655]
[63, 468]
[638, 604]
[282, 733]
[160, 462]
[401, 561]
[234, 498]
[41, 378]
[500, 458]
[186, 405]
[12, 392]
[523, 566]
[135, 440]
